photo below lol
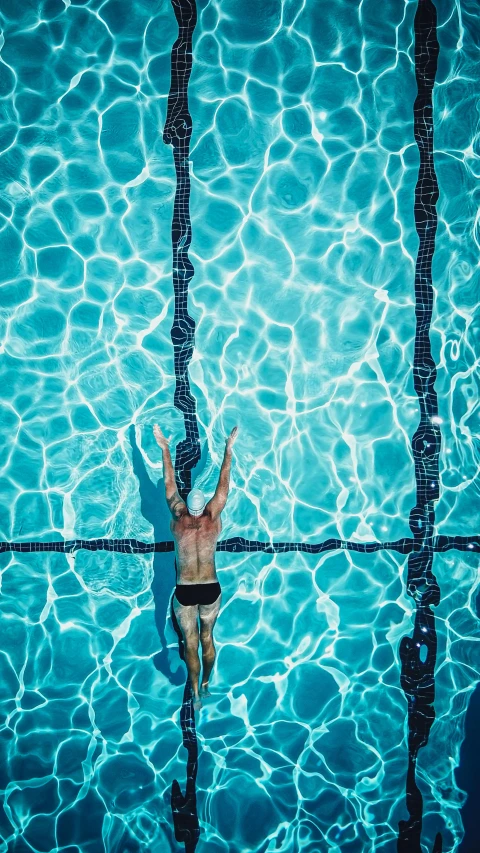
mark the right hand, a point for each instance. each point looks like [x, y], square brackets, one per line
[231, 438]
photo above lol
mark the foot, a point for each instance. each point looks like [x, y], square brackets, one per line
[197, 703]
[204, 691]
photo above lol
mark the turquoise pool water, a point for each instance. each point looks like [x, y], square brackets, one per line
[303, 168]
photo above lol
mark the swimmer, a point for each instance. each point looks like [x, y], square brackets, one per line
[196, 527]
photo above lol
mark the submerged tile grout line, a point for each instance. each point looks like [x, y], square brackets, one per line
[417, 676]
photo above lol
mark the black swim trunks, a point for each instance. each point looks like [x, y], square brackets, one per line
[189, 594]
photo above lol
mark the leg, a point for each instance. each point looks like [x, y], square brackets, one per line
[187, 619]
[208, 617]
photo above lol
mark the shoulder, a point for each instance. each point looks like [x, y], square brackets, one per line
[180, 515]
[211, 516]
[177, 506]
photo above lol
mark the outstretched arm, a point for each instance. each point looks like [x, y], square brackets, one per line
[217, 504]
[175, 502]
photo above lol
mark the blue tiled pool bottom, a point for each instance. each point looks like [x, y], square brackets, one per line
[303, 167]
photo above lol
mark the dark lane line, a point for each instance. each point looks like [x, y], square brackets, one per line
[417, 671]
[177, 133]
[237, 544]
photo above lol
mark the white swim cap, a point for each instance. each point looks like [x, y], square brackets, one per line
[196, 502]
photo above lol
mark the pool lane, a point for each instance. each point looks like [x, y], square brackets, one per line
[418, 652]
[237, 544]
[177, 133]
[417, 674]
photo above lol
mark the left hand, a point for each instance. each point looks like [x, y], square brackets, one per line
[161, 440]
[231, 438]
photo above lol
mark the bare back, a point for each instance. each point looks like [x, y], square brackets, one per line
[195, 545]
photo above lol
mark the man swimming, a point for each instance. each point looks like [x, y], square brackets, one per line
[196, 527]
